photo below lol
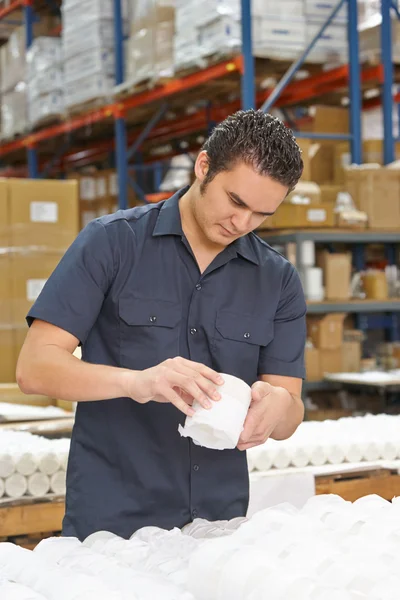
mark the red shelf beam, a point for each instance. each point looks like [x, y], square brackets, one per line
[4, 12]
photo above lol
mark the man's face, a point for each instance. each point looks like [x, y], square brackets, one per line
[235, 202]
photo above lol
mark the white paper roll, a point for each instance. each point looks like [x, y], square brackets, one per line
[307, 250]
[26, 464]
[16, 485]
[313, 284]
[49, 463]
[7, 465]
[220, 427]
[38, 484]
[58, 482]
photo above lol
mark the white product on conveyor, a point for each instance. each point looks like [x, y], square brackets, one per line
[220, 427]
[16, 486]
[38, 485]
[49, 463]
[7, 464]
[26, 464]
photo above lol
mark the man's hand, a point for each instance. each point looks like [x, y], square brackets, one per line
[269, 405]
[178, 381]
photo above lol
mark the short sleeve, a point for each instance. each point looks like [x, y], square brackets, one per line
[285, 354]
[73, 295]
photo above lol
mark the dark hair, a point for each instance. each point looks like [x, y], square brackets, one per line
[259, 140]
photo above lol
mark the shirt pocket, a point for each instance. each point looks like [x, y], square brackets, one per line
[149, 331]
[237, 343]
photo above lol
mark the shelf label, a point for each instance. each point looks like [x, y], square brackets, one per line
[44, 212]
[316, 215]
[33, 288]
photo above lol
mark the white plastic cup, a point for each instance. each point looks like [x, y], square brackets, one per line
[220, 427]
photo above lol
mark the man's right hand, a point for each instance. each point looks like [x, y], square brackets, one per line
[178, 381]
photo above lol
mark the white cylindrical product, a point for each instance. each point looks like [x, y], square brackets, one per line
[63, 458]
[353, 452]
[2, 487]
[38, 484]
[16, 485]
[58, 482]
[49, 463]
[307, 252]
[313, 284]
[263, 459]
[7, 465]
[318, 455]
[300, 457]
[370, 451]
[281, 458]
[220, 427]
[26, 464]
[335, 454]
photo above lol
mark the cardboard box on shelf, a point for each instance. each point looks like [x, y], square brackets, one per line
[43, 214]
[326, 332]
[337, 275]
[375, 284]
[376, 191]
[313, 366]
[351, 357]
[373, 151]
[308, 190]
[290, 216]
[331, 361]
[327, 119]
[10, 393]
[329, 192]
[4, 215]
[29, 273]
[7, 356]
[5, 289]
[341, 160]
[318, 161]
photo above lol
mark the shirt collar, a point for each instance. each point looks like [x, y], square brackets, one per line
[169, 219]
[169, 223]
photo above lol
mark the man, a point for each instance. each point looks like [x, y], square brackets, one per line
[163, 298]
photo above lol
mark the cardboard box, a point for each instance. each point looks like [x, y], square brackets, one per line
[373, 151]
[308, 190]
[376, 191]
[318, 161]
[375, 284]
[337, 275]
[313, 366]
[4, 215]
[291, 216]
[331, 361]
[341, 160]
[29, 273]
[351, 359]
[43, 214]
[326, 332]
[329, 192]
[7, 355]
[5, 289]
[10, 393]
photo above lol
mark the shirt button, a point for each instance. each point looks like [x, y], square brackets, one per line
[194, 514]
[193, 331]
[247, 335]
[196, 467]
[198, 287]
[153, 319]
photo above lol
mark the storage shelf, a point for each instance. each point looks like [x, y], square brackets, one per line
[332, 235]
[354, 306]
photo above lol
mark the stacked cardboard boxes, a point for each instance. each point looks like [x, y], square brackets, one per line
[39, 221]
[330, 348]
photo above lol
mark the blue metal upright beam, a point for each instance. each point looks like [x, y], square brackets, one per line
[121, 145]
[387, 98]
[248, 76]
[33, 168]
[354, 83]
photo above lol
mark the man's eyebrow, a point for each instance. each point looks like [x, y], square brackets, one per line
[239, 200]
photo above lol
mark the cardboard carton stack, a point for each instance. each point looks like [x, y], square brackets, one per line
[39, 221]
[150, 48]
[45, 79]
[330, 348]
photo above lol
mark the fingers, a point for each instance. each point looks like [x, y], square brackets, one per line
[204, 384]
[203, 370]
[171, 396]
[190, 387]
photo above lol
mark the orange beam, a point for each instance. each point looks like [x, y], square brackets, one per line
[4, 12]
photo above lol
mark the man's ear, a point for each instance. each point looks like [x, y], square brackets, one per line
[201, 166]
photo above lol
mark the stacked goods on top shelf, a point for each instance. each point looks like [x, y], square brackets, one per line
[88, 49]
[150, 46]
[203, 33]
[38, 222]
[14, 117]
[45, 79]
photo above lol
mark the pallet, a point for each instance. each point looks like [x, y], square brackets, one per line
[28, 517]
[87, 106]
[354, 485]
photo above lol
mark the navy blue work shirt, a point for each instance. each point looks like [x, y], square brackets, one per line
[129, 288]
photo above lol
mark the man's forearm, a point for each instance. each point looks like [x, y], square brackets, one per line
[54, 372]
[292, 417]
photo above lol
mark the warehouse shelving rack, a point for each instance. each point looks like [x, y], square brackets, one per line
[44, 150]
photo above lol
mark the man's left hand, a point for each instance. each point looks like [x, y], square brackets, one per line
[267, 409]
